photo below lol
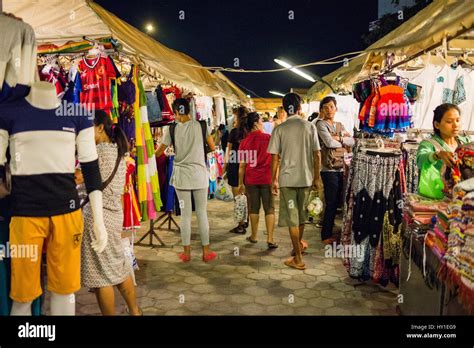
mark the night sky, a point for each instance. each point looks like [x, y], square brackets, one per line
[215, 32]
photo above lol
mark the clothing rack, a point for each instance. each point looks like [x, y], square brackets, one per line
[167, 217]
[151, 233]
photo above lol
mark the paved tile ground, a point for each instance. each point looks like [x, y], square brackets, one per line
[247, 279]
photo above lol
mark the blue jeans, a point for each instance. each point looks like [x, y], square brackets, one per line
[333, 186]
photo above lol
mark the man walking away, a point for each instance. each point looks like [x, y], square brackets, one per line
[295, 150]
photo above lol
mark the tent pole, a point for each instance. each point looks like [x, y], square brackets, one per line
[446, 39]
[445, 47]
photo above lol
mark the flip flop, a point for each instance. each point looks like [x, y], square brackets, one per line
[139, 315]
[249, 238]
[272, 245]
[238, 230]
[291, 263]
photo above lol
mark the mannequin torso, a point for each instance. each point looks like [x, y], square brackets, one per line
[43, 96]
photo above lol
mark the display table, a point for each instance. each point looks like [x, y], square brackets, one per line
[423, 294]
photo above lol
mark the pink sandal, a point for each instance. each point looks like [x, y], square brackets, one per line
[184, 257]
[209, 257]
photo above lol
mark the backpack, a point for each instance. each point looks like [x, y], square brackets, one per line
[333, 158]
[203, 124]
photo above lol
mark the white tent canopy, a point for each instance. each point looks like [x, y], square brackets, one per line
[441, 19]
[60, 21]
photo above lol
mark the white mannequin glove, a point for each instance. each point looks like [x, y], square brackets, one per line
[100, 231]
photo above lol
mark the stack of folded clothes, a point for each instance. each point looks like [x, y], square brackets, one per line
[459, 255]
[421, 210]
[437, 237]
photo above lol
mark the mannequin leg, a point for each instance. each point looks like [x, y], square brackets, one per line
[106, 299]
[127, 289]
[63, 304]
[21, 309]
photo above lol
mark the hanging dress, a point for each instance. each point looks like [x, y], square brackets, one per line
[131, 209]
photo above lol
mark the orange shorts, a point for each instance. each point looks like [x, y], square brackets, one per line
[63, 235]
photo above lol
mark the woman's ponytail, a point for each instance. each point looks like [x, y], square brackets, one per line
[120, 139]
[114, 132]
[252, 118]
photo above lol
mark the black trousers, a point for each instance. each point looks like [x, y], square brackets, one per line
[333, 186]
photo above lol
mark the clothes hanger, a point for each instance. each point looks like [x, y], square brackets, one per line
[390, 76]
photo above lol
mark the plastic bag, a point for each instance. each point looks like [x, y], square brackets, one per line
[431, 185]
[130, 257]
[315, 206]
[240, 208]
[224, 191]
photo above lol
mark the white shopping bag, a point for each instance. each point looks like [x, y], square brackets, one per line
[315, 205]
[224, 191]
[240, 208]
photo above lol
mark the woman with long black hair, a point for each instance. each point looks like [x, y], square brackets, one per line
[102, 271]
[231, 165]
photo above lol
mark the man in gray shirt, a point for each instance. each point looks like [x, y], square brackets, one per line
[331, 134]
[295, 150]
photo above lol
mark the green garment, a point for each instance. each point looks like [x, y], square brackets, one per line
[426, 150]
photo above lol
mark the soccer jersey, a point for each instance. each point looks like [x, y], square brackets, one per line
[43, 144]
[95, 78]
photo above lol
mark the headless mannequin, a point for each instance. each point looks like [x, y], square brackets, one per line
[43, 96]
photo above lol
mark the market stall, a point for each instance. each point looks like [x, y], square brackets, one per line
[96, 60]
[396, 83]
[429, 49]
[76, 28]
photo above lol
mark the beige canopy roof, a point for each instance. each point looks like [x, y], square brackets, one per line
[59, 21]
[440, 19]
[267, 104]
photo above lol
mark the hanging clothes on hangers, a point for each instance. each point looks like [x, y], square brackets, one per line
[148, 186]
[220, 110]
[126, 95]
[166, 112]
[96, 75]
[374, 195]
[114, 91]
[55, 75]
[131, 209]
[153, 107]
[386, 104]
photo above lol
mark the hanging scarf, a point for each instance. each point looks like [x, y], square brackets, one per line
[148, 187]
